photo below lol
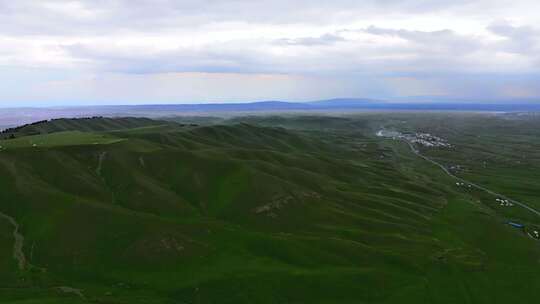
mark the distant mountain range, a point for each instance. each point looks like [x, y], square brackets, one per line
[16, 116]
[331, 104]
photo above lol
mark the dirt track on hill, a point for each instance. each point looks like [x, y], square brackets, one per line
[18, 253]
[101, 159]
[19, 256]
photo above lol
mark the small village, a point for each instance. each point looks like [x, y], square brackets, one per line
[427, 140]
[504, 202]
[463, 185]
[423, 139]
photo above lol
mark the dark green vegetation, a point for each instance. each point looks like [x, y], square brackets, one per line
[67, 138]
[91, 124]
[269, 209]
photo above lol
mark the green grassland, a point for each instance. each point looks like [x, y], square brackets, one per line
[501, 152]
[271, 209]
[92, 124]
[66, 138]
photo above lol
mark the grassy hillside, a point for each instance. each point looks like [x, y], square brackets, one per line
[258, 210]
[91, 124]
[65, 138]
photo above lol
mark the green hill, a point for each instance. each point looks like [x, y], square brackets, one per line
[246, 212]
[90, 124]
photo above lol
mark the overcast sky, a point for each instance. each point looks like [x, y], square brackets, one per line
[55, 52]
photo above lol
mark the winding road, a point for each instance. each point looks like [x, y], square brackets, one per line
[415, 151]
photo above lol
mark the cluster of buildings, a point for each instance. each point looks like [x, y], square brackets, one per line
[424, 139]
[427, 140]
[504, 202]
[463, 185]
[456, 168]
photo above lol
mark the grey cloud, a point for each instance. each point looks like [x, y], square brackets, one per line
[326, 39]
[434, 51]
[519, 39]
[506, 29]
[37, 17]
[82, 35]
[177, 60]
[435, 41]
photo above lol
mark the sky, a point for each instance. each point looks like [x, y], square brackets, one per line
[55, 52]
